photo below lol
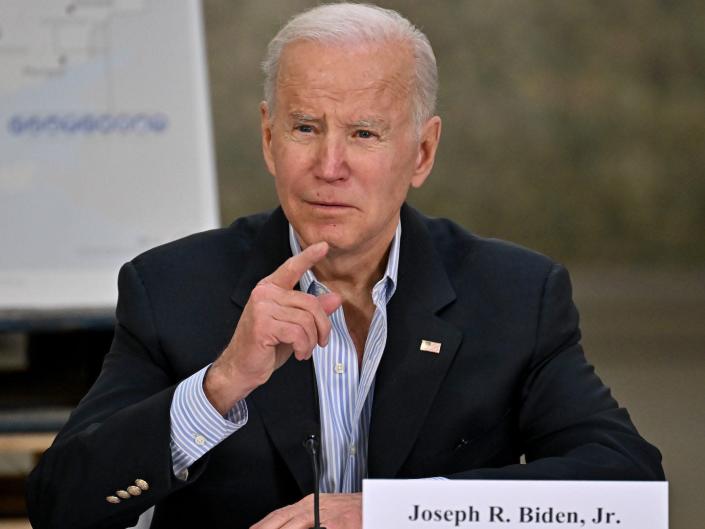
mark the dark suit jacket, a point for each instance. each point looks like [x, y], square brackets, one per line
[510, 379]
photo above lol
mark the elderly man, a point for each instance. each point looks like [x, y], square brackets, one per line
[411, 347]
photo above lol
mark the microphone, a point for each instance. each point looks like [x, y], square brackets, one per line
[312, 445]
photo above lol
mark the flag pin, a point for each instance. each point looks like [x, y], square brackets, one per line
[430, 347]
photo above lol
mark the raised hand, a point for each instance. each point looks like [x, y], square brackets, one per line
[276, 321]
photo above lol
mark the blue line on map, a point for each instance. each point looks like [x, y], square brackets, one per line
[86, 124]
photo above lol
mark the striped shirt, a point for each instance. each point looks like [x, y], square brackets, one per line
[345, 393]
[196, 426]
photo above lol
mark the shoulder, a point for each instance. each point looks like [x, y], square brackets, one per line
[500, 283]
[211, 252]
[463, 252]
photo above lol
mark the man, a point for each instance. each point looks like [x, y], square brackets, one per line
[412, 348]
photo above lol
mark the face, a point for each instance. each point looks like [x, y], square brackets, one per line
[342, 144]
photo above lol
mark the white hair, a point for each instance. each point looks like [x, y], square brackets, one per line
[346, 23]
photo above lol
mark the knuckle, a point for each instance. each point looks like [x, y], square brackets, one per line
[301, 336]
[259, 292]
[257, 326]
[259, 310]
[289, 266]
[307, 500]
[309, 320]
[310, 301]
[296, 337]
[327, 326]
[279, 516]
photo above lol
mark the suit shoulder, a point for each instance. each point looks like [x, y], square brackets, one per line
[462, 250]
[207, 250]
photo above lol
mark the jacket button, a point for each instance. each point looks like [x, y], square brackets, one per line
[123, 494]
[142, 484]
[112, 499]
[134, 491]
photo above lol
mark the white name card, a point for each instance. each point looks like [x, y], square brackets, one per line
[471, 504]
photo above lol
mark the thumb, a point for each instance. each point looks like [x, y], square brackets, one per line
[330, 302]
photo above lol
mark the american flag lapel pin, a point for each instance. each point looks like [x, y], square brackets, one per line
[430, 347]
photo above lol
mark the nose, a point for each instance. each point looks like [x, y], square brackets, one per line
[332, 163]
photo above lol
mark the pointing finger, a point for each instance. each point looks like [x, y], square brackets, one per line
[289, 273]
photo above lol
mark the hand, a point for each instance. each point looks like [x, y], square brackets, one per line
[338, 511]
[275, 322]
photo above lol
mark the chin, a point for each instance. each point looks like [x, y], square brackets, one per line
[334, 234]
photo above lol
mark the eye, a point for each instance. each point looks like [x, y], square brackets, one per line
[365, 134]
[305, 129]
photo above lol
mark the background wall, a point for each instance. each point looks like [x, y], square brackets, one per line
[575, 128]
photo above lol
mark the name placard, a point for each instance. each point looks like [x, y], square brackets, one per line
[471, 504]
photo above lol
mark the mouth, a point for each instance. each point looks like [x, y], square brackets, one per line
[328, 206]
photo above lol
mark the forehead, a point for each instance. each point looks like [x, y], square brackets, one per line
[359, 75]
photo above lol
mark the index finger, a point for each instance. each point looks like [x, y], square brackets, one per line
[289, 273]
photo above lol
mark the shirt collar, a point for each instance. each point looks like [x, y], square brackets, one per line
[383, 289]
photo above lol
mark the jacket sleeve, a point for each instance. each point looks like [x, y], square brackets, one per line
[570, 427]
[119, 433]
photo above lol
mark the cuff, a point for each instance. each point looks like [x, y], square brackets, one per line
[196, 426]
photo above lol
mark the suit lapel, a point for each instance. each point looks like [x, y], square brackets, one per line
[408, 378]
[288, 402]
[288, 406]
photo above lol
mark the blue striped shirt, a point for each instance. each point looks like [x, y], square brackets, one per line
[196, 426]
[345, 393]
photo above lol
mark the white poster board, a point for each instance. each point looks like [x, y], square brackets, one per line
[105, 144]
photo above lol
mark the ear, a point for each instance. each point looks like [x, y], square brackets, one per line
[266, 125]
[428, 144]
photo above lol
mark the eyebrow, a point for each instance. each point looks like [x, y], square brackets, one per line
[300, 116]
[369, 123]
[365, 123]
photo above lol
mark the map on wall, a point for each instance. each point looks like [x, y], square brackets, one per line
[105, 144]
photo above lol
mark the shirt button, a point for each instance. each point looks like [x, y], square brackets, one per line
[352, 450]
[183, 475]
[340, 368]
[200, 440]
